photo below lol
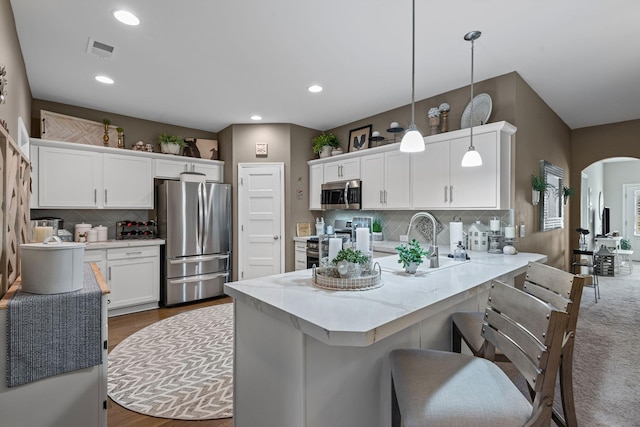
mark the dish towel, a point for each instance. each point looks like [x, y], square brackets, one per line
[52, 334]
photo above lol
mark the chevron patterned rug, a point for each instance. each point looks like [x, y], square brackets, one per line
[179, 368]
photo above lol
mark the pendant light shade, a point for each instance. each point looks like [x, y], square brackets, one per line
[471, 157]
[412, 141]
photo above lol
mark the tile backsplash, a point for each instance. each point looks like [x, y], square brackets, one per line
[106, 217]
[395, 223]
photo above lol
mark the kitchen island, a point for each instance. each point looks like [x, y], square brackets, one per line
[306, 356]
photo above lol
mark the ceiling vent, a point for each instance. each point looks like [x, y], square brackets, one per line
[100, 49]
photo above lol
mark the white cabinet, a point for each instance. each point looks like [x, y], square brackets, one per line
[127, 182]
[300, 255]
[170, 168]
[386, 180]
[439, 180]
[342, 170]
[316, 178]
[132, 274]
[69, 178]
[80, 178]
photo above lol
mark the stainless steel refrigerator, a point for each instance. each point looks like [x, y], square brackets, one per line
[194, 218]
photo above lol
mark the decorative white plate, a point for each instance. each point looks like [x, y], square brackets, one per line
[481, 111]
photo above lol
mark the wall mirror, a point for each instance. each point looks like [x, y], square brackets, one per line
[551, 208]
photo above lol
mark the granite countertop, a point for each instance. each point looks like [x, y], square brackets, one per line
[360, 318]
[109, 244]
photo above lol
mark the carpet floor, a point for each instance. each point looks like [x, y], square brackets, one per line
[179, 368]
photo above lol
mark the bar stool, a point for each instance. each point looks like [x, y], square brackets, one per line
[577, 262]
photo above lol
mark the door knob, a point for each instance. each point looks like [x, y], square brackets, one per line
[275, 237]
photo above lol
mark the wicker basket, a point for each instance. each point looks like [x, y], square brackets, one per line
[363, 283]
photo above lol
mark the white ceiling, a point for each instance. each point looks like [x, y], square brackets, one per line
[209, 64]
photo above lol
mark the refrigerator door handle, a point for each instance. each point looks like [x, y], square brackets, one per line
[198, 278]
[201, 258]
[200, 228]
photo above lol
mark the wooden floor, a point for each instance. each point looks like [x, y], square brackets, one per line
[121, 327]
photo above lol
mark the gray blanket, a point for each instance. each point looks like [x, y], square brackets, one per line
[52, 334]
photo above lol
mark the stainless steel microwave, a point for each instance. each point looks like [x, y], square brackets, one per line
[342, 195]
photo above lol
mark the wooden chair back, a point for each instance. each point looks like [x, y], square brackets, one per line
[530, 333]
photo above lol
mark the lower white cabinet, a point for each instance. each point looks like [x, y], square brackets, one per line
[301, 255]
[132, 274]
[169, 168]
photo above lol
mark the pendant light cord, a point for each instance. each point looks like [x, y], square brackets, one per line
[471, 127]
[413, 64]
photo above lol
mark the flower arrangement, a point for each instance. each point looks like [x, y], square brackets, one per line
[433, 112]
[351, 255]
[444, 107]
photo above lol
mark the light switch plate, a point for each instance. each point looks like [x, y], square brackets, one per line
[404, 238]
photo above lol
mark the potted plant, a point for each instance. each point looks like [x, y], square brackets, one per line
[568, 191]
[410, 255]
[537, 186]
[350, 262]
[324, 143]
[376, 230]
[170, 144]
[105, 137]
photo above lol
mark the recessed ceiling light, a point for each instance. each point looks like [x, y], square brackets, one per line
[256, 117]
[314, 88]
[105, 80]
[126, 17]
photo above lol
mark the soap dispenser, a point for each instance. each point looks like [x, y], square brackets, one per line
[460, 254]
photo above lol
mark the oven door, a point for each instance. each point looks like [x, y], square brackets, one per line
[313, 257]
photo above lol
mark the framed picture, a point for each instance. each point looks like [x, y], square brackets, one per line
[201, 148]
[359, 138]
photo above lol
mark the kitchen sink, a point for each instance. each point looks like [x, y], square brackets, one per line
[390, 264]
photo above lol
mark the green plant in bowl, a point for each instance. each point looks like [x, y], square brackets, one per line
[351, 255]
[411, 253]
[376, 226]
[324, 139]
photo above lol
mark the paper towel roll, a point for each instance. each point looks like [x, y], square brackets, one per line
[335, 246]
[362, 240]
[455, 235]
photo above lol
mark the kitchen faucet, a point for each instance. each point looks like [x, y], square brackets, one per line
[433, 250]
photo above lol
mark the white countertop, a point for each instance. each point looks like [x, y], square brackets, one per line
[109, 244]
[360, 318]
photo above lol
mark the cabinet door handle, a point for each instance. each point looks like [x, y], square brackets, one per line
[105, 196]
[138, 253]
[385, 197]
[95, 195]
[109, 278]
[445, 194]
[451, 194]
[380, 196]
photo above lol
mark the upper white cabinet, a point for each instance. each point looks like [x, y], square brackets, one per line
[316, 178]
[434, 178]
[68, 178]
[171, 168]
[69, 175]
[78, 178]
[386, 180]
[441, 182]
[342, 170]
[127, 182]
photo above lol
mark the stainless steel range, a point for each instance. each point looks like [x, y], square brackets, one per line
[313, 247]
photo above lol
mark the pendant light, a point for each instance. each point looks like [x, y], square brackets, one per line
[471, 157]
[412, 141]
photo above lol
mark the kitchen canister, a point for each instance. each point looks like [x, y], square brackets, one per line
[52, 267]
[81, 230]
[92, 235]
[102, 233]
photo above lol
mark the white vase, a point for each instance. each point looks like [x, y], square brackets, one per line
[170, 148]
[535, 197]
[325, 151]
[411, 268]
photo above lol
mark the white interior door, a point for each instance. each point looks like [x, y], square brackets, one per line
[261, 219]
[631, 218]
